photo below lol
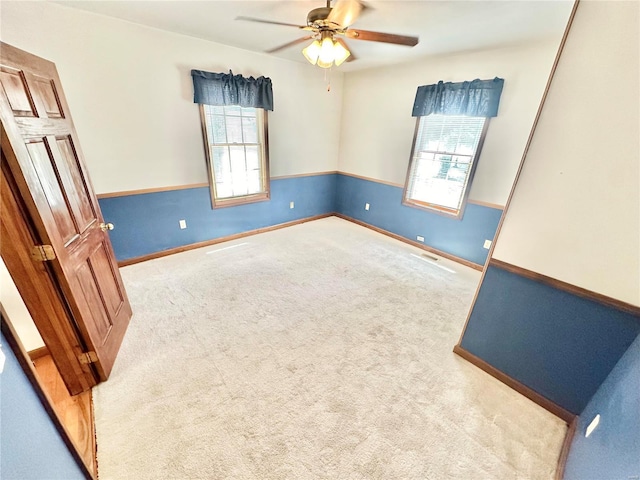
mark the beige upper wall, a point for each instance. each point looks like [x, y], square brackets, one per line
[575, 213]
[17, 311]
[131, 97]
[377, 127]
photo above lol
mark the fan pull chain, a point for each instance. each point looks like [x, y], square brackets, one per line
[327, 78]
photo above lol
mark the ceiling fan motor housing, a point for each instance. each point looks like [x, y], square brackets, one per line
[318, 15]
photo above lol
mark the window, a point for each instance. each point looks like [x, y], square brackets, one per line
[237, 154]
[443, 159]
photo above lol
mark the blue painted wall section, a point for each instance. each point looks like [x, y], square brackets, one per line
[30, 446]
[148, 223]
[560, 345]
[462, 238]
[612, 450]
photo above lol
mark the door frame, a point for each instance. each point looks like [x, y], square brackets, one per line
[30, 372]
[39, 289]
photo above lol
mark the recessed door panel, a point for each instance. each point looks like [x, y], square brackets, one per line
[45, 89]
[74, 185]
[94, 301]
[112, 297]
[15, 89]
[42, 163]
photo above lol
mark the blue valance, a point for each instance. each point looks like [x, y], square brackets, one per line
[478, 98]
[229, 89]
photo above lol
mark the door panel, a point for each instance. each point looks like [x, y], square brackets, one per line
[45, 159]
[86, 278]
[15, 89]
[67, 162]
[110, 293]
[45, 91]
[54, 195]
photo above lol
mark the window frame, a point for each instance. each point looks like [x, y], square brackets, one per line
[266, 177]
[440, 209]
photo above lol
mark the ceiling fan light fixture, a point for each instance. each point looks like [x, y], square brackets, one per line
[326, 51]
[325, 24]
[325, 60]
[340, 53]
[312, 52]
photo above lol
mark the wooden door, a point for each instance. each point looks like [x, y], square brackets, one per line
[43, 154]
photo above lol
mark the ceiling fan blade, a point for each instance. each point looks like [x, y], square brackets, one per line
[345, 12]
[351, 57]
[259, 20]
[290, 44]
[382, 37]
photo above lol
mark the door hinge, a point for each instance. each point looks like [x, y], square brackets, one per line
[88, 357]
[43, 253]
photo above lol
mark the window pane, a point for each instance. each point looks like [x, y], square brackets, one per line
[459, 170]
[218, 129]
[253, 158]
[232, 110]
[432, 183]
[222, 171]
[469, 135]
[234, 129]
[250, 130]
[220, 162]
[224, 190]
[253, 181]
[237, 159]
[238, 170]
[444, 149]
[248, 112]
[215, 109]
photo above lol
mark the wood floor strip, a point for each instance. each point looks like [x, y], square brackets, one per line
[38, 353]
[75, 412]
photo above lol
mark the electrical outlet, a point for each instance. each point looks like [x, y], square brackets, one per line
[183, 224]
[366, 206]
[291, 204]
[592, 426]
[487, 244]
[420, 238]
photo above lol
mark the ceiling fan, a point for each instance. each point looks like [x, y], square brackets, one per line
[328, 25]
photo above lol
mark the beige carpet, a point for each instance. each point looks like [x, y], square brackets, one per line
[320, 351]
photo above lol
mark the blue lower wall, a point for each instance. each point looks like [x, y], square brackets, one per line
[148, 223]
[30, 446]
[612, 451]
[560, 345]
[462, 238]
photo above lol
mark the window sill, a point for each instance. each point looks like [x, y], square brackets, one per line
[235, 201]
[438, 210]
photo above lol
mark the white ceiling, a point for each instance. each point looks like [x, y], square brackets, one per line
[444, 27]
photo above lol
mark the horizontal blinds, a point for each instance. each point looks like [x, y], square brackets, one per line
[443, 155]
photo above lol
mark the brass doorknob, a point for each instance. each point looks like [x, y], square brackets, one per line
[106, 226]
